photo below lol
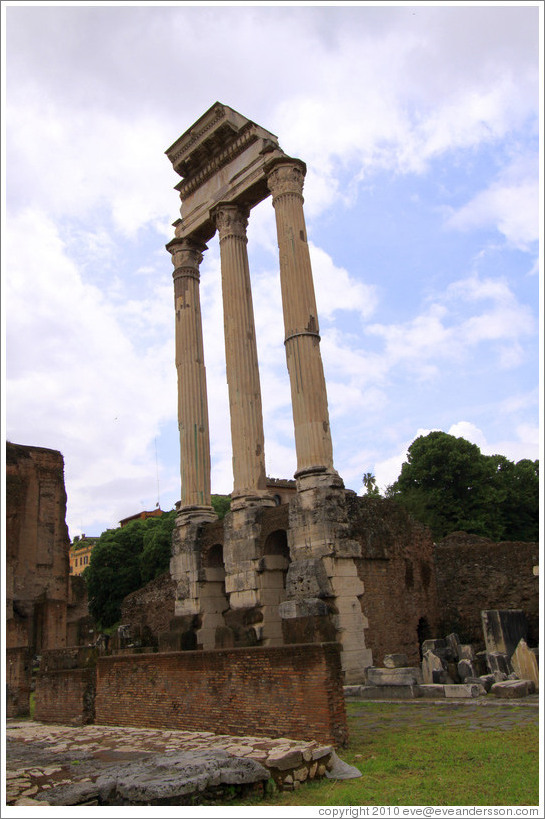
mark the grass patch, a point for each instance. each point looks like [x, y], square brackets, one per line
[429, 764]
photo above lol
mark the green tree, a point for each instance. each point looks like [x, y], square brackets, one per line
[370, 483]
[127, 558]
[448, 484]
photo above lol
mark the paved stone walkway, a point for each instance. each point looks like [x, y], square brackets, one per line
[43, 756]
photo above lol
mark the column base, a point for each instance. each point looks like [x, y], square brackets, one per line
[318, 477]
[251, 499]
[194, 514]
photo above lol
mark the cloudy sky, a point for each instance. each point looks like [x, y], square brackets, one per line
[419, 126]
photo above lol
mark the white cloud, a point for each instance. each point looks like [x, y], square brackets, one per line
[76, 381]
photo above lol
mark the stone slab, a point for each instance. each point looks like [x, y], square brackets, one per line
[389, 692]
[394, 676]
[464, 691]
[432, 690]
[524, 662]
[512, 689]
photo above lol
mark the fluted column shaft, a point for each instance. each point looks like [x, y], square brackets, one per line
[192, 396]
[302, 340]
[241, 356]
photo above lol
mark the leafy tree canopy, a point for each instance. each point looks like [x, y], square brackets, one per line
[125, 559]
[448, 484]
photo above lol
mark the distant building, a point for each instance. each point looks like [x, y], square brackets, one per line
[80, 554]
[142, 516]
[282, 489]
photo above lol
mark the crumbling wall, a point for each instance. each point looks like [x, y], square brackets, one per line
[293, 691]
[150, 610]
[37, 545]
[396, 566]
[475, 573]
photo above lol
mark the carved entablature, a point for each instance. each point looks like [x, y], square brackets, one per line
[221, 158]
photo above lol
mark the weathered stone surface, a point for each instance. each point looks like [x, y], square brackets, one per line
[512, 689]
[352, 690]
[337, 769]
[466, 669]
[524, 662]
[433, 645]
[390, 692]
[464, 691]
[503, 629]
[395, 661]
[430, 663]
[453, 644]
[162, 777]
[393, 676]
[486, 680]
[466, 652]
[284, 760]
[499, 661]
[432, 690]
[311, 607]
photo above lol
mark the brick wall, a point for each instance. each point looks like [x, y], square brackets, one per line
[475, 573]
[293, 691]
[18, 677]
[66, 696]
[396, 566]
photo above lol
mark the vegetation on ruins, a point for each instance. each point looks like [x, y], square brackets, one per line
[449, 485]
[125, 559]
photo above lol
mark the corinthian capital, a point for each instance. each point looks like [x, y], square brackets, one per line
[231, 220]
[187, 255]
[286, 177]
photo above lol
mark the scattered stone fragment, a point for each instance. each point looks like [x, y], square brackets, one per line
[513, 689]
[395, 660]
[464, 691]
[524, 662]
[432, 690]
[337, 769]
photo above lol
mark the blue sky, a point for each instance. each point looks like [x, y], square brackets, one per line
[419, 125]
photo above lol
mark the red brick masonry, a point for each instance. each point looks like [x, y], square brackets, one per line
[294, 691]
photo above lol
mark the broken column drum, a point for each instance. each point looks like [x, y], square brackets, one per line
[228, 164]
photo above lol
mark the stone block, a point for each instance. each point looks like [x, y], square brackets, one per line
[395, 660]
[512, 689]
[212, 574]
[393, 676]
[346, 586]
[524, 663]
[284, 760]
[352, 690]
[432, 690]
[307, 578]
[486, 680]
[241, 581]
[453, 644]
[503, 629]
[243, 600]
[344, 567]
[431, 663]
[464, 691]
[466, 652]
[498, 661]
[310, 607]
[466, 669]
[390, 692]
[433, 645]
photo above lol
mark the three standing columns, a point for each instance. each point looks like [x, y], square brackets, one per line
[285, 178]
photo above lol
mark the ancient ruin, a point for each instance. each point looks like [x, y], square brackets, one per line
[305, 573]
